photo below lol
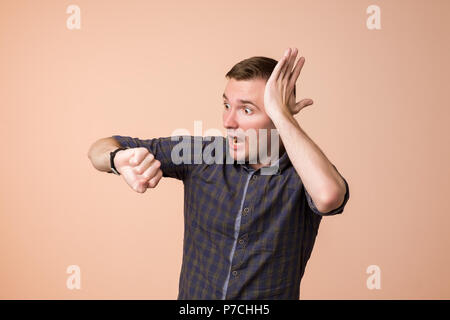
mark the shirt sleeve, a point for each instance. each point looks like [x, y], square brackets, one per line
[337, 210]
[162, 149]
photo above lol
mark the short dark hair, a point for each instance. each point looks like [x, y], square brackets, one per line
[253, 68]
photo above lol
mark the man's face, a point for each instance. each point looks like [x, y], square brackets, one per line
[243, 116]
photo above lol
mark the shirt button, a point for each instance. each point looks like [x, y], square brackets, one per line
[254, 178]
[235, 273]
[246, 210]
[241, 241]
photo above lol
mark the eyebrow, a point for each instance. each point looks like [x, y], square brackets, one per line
[243, 101]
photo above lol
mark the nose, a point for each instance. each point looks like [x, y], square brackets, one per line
[229, 120]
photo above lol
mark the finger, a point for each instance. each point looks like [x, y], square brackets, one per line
[155, 180]
[298, 67]
[277, 69]
[143, 184]
[144, 164]
[291, 63]
[285, 65]
[139, 186]
[152, 169]
[139, 155]
[143, 187]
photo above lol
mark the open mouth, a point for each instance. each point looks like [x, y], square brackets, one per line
[235, 140]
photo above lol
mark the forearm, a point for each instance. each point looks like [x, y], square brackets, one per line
[323, 183]
[99, 153]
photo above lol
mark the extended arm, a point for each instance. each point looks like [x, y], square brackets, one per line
[139, 168]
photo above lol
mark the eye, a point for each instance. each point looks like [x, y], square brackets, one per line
[248, 110]
[226, 105]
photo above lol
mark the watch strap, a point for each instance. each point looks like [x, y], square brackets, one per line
[111, 158]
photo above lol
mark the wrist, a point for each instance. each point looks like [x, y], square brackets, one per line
[112, 156]
[280, 114]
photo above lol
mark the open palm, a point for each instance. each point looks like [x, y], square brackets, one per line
[279, 92]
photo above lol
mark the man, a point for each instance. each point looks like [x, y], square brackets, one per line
[247, 235]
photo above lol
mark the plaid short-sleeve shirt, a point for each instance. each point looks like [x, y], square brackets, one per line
[247, 235]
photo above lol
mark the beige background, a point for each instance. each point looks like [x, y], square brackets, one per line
[146, 68]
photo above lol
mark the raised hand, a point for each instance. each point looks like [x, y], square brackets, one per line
[279, 92]
[139, 168]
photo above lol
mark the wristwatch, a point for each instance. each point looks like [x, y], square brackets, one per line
[111, 157]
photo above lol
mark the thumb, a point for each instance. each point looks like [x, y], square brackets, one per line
[301, 104]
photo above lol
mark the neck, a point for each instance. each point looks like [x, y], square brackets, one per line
[281, 151]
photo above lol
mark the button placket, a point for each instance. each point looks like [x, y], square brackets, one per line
[237, 252]
[245, 214]
[243, 241]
